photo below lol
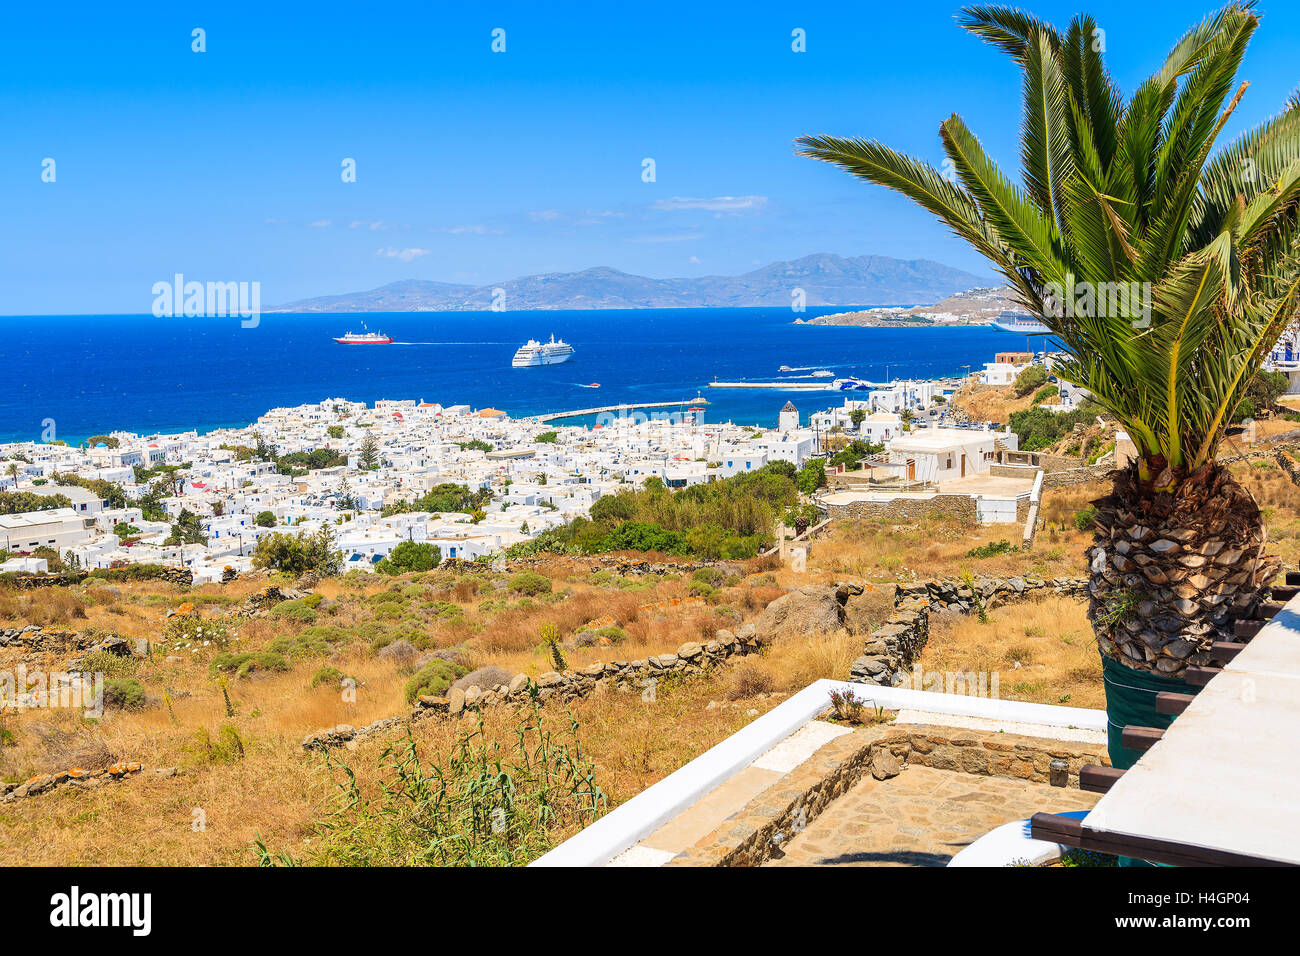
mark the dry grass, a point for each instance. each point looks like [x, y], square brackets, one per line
[1051, 641]
[887, 550]
[282, 793]
[278, 791]
[990, 404]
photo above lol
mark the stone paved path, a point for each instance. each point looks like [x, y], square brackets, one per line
[922, 817]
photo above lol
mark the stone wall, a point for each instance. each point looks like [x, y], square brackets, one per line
[892, 649]
[956, 596]
[1077, 476]
[74, 779]
[30, 582]
[1001, 754]
[756, 833]
[907, 509]
[639, 676]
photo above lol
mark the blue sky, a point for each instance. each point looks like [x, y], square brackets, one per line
[476, 167]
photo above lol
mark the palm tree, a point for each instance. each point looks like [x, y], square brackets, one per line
[1129, 196]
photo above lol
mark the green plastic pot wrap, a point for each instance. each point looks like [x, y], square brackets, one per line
[1131, 701]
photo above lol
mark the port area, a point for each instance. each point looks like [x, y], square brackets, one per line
[783, 386]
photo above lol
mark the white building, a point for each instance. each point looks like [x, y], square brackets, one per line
[901, 395]
[881, 427]
[943, 454]
[58, 528]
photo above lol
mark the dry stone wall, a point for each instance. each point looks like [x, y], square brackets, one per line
[957, 596]
[892, 649]
[937, 506]
[639, 676]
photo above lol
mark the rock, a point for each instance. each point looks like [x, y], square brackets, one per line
[549, 679]
[455, 701]
[141, 648]
[809, 610]
[690, 650]
[518, 683]
[484, 677]
[885, 765]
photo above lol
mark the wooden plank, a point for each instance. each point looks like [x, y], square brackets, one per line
[1200, 676]
[1225, 650]
[1168, 702]
[1247, 629]
[1267, 610]
[1098, 779]
[1293, 577]
[1285, 592]
[1073, 833]
[1140, 738]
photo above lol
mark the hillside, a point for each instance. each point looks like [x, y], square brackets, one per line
[825, 278]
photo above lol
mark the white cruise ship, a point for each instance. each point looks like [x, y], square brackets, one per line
[533, 353]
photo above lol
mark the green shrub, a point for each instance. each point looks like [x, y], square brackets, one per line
[992, 549]
[299, 646]
[110, 665]
[227, 748]
[433, 679]
[1031, 378]
[531, 583]
[241, 665]
[124, 693]
[713, 577]
[411, 556]
[1046, 392]
[327, 675]
[1085, 518]
[294, 611]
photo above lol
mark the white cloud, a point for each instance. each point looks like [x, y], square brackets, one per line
[681, 237]
[405, 255]
[476, 230]
[544, 215]
[372, 225]
[695, 260]
[718, 204]
[320, 224]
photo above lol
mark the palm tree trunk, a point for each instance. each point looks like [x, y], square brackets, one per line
[1172, 571]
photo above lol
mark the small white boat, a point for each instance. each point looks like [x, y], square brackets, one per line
[822, 373]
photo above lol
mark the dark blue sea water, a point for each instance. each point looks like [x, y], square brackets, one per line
[93, 374]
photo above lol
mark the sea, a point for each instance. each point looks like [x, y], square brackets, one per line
[74, 376]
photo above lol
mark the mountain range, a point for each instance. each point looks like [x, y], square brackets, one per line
[826, 280]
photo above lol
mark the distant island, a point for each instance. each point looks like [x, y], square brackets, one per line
[976, 306]
[825, 279]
